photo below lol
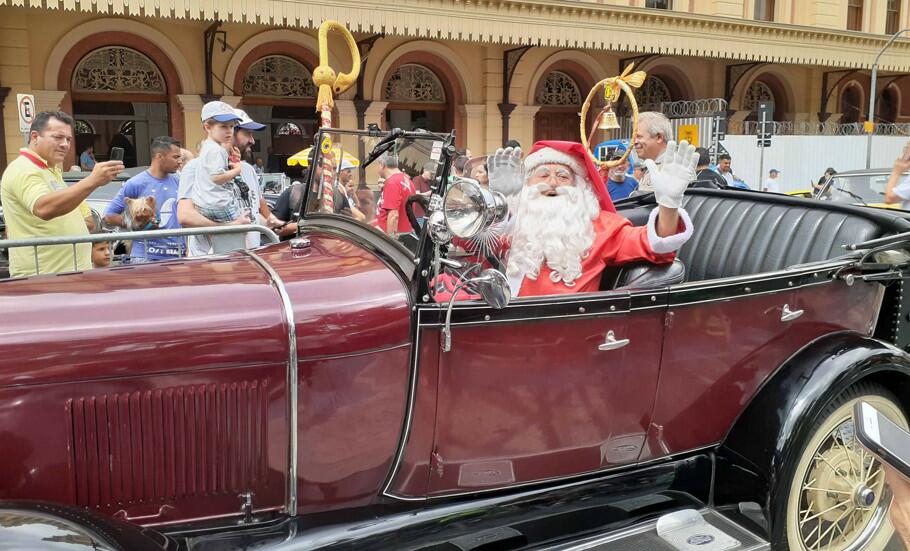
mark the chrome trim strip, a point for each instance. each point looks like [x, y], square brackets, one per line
[291, 378]
[756, 294]
[409, 416]
[568, 480]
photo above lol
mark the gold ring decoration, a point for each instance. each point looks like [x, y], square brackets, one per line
[324, 76]
[612, 87]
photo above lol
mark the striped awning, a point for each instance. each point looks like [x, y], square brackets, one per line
[557, 23]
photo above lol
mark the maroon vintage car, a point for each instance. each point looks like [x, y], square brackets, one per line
[314, 394]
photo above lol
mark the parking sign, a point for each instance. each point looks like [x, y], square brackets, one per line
[26, 104]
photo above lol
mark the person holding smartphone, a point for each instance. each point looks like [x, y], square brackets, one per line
[898, 188]
[37, 202]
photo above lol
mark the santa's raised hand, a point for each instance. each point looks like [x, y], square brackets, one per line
[671, 178]
[505, 171]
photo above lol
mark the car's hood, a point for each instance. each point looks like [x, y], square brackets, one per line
[190, 314]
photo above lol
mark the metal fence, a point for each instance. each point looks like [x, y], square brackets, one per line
[235, 238]
[803, 128]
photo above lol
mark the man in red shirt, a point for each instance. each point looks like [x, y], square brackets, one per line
[391, 217]
[565, 230]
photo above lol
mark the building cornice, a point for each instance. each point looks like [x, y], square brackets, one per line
[552, 23]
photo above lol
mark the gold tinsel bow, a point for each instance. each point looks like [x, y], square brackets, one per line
[634, 80]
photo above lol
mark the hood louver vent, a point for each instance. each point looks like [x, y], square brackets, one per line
[164, 444]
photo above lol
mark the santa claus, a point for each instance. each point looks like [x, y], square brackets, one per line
[564, 230]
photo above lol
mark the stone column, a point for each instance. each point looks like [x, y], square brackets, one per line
[521, 125]
[347, 119]
[375, 113]
[192, 111]
[475, 140]
[233, 101]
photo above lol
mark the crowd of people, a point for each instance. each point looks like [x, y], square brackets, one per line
[179, 189]
[214, 186]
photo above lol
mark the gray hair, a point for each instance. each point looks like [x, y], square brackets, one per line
[657, 124]
[389, 160]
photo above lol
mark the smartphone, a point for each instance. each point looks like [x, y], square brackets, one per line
[882, 437]
[117, 154]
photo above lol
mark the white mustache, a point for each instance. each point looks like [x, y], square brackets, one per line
[560, 190]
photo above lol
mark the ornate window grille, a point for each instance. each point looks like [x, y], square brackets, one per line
[653, 93]
[558, 88]
[83, 127]
[757, 91]
[412, 83]
[288, 129]
[117, 69]
[279, 76]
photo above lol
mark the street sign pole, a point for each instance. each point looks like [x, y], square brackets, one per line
[761, 151]
[765, 114]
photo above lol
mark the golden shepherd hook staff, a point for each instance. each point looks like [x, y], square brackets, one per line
[330, 83]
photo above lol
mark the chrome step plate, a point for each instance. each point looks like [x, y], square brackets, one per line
[643, 537]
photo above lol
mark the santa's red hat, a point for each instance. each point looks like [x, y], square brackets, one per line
[575, 156]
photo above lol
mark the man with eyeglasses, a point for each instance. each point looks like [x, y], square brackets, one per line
[37, 203]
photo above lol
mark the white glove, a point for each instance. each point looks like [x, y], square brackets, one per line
[505, 171]
[673, 176]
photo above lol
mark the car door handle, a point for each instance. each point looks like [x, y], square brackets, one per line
[612, 343]
[789, 315]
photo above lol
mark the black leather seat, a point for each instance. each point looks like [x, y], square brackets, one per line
[741, 233]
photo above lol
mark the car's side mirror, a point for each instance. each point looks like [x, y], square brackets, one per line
[470, 208]
[492, 286]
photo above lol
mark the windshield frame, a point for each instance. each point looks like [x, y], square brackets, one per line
[829, 188]
[422, 257]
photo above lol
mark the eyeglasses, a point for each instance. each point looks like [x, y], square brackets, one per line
[563, 177]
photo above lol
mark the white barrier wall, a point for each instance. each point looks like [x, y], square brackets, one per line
[803, 159]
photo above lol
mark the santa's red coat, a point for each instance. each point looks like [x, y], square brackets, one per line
[616, 242]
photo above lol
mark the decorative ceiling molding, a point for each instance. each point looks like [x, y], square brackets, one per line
[551, 23]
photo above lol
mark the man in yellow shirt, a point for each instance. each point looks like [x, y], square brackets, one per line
[37, 203]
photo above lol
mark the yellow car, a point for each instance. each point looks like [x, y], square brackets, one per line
[805, 193]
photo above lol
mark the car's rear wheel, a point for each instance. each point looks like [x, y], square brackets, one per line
[837, 498]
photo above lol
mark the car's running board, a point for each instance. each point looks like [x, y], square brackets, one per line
[704, 530]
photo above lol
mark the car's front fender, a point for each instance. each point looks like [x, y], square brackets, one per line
[43, 525]
[779, 418]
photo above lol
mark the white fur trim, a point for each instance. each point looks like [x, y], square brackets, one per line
[671, 243]
[548, 155]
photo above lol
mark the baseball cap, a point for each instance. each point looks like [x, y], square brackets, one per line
[774, 170]
[219, 111]
[246, 122]
[346, 164]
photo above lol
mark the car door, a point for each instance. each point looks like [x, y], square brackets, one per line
[549, 387]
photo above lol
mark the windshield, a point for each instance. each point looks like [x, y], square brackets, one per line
[389, 194]
[858, 189]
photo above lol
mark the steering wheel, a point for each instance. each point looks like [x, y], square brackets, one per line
[409, 210]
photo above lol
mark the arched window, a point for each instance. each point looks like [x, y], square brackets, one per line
[558, 89]
[83, 127]
[888, 104]
[851, 104]
[279, 76]
[117, 69]
[652, 94]
[757, 92]
[413, 83]
[288, 129]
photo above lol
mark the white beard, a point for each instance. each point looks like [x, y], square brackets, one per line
[556, 230]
